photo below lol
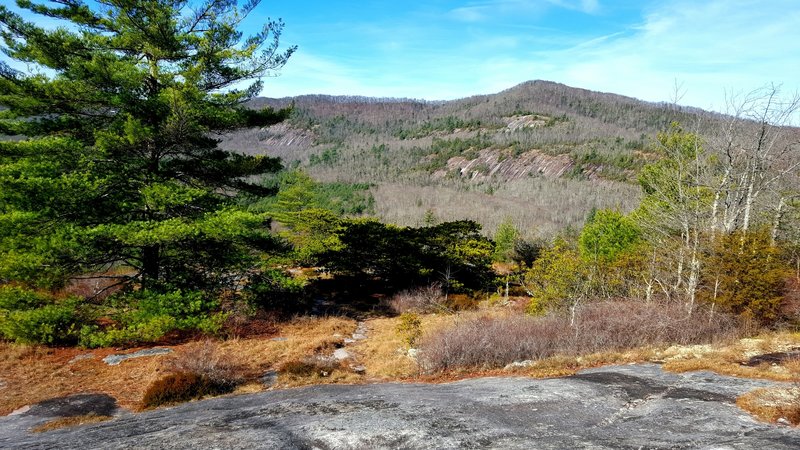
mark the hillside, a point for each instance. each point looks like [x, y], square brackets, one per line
[541, 153]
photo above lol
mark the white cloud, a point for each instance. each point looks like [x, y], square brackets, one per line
[710, 47]
[586, 6]
[469, 13]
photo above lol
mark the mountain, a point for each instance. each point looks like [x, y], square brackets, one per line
[541, 153]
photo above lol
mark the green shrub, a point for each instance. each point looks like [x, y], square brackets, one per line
[606, 235]
[745, 275]
[27, 316]
[409, 328]
[147, 316]
[180, 387]
[16, 297]
[149, 330]
[274, 290]
[49, 324]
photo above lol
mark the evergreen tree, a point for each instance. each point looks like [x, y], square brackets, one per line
[117, 164]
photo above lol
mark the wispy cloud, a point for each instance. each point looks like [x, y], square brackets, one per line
[586, 6]
[469, 13]
[487, 10]
[709, 46]
[612, 46]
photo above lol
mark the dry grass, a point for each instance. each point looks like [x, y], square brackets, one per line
[383, 355]
[52, 375]
[71, 421]
[773, 404]
[767, 404]
[34, 373]
[304, 338]
[730, 359]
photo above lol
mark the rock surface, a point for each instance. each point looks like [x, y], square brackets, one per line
[341, 354]
[635, 406]
[113, 360]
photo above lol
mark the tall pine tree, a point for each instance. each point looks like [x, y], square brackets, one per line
[115, 160]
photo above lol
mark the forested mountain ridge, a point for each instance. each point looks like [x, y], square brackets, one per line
[540, 153]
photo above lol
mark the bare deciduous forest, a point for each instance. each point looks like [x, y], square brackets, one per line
[541, 153]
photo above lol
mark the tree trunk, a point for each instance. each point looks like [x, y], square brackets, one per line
[694, 277]
[776, 223]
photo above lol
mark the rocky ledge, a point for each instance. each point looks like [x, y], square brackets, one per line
[633, 406]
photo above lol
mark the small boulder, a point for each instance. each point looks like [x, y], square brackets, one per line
[115, 360]
[341, 354]
[518, 365]
[269, 379]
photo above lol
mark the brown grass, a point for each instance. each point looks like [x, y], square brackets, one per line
[383, 354]
[767, 404]
[773, 404]
[729, 359]
[71, 421]
[48, 369]
[34, 373]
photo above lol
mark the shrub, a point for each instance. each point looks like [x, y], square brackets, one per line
[409, 328]
[274, 290]
[746, 275]
[246, 321]
[557, 275]
[207, 360]
[49, 324]
[148, 316]
[606, 235]
[492, 342]
[180, 387]
[461, 302]
[504, 239]
[310, 366]
[428, 299]
[527, 252]
[32, 317]
[16, 297]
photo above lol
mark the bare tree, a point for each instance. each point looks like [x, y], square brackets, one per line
[758, 153]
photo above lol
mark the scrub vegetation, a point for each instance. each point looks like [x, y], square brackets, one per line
[148, 197]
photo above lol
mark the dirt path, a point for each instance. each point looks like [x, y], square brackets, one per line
[634, 406]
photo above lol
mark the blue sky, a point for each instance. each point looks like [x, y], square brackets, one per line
[444, 49]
